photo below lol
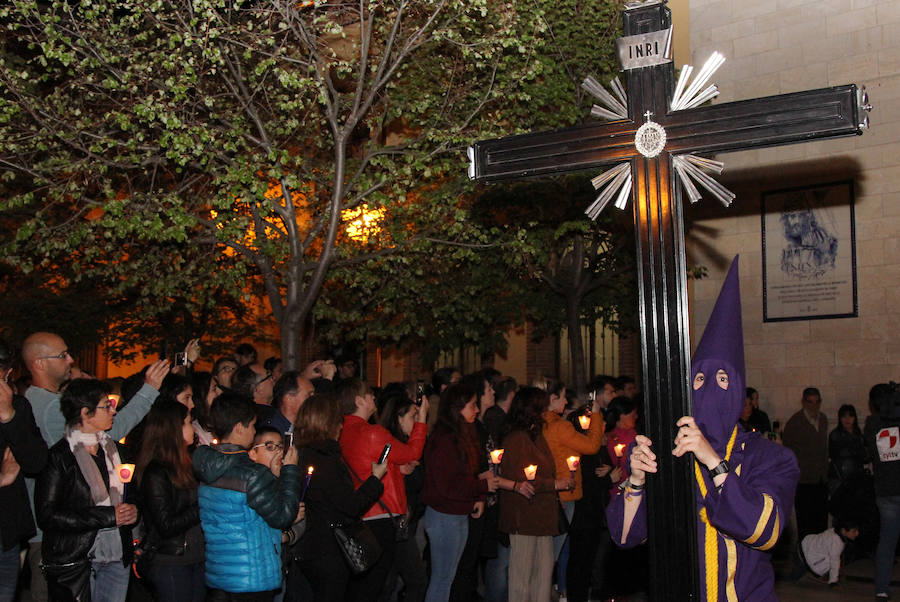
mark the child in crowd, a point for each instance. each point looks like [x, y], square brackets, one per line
[244, 507]
[268, 450]
[821, 552]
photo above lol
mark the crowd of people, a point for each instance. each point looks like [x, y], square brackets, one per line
[248, 482]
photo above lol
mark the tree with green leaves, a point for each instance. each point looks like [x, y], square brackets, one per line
[147, 146]
[468, 287]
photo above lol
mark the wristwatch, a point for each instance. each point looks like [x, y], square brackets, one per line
[721, 468]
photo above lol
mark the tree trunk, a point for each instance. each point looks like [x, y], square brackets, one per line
[576, 344]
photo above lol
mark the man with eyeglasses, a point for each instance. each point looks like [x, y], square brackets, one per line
[47, 357]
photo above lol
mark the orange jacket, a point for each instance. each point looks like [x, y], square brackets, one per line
[564, 441]
[361, 444]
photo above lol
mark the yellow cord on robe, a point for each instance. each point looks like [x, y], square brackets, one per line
[711, 535]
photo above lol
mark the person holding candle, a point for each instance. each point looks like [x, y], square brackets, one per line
[331, 498]
[453, 490]
[168, 492]
[87, 543]
[565, 441]
[621, 416]
[529, 510]
[589, 543]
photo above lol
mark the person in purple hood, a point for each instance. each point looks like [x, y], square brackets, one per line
[744, 483]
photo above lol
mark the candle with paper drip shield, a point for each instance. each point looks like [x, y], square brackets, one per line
[572, 462]
[530, 473]
[126, 473]
[496, 457]
[585, 422]
[619, 449]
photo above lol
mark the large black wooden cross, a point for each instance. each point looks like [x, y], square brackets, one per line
[663, 310]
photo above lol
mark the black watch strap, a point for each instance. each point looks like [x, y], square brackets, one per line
[721, 468]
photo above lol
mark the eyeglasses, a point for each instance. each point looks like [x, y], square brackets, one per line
[108, 407]
[271, 446]
[59, 356]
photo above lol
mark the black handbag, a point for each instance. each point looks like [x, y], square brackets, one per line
[68, 582]
[358, 545]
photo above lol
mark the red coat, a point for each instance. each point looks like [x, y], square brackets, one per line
[361, 444]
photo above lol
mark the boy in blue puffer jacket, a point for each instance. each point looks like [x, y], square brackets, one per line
[243, 506]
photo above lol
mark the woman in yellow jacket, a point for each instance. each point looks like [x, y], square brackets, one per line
[564, 441]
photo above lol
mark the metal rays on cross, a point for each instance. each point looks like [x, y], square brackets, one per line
[690, 170]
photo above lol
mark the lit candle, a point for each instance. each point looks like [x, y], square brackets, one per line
[496, 456]
[113, 400]
[619, 448]
[309, 472]
[573, 462]
[585, 422]
[530, 471]
[126, 471]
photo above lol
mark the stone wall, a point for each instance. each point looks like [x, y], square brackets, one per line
[781, 46]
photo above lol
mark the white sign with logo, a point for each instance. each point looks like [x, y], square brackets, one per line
[888, 443]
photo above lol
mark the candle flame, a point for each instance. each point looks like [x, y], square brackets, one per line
[310, 470]
[619, 449]
[585, 422]
[496, 456]
[113, 400]
[573, 462]
[530, 471]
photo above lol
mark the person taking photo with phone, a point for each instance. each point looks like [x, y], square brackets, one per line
[362, 444]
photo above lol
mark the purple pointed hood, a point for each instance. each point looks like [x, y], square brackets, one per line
[717, 409]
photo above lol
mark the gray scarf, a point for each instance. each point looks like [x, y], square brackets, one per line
[107, 545]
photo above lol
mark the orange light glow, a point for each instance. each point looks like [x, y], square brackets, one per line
[530, 471]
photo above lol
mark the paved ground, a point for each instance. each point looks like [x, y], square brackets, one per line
[857, 583]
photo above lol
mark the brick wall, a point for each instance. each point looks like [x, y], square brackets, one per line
[782, 46]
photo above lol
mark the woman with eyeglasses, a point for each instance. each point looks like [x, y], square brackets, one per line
[80, 502]
[173, 538]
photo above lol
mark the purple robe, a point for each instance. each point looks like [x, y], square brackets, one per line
[746, 518]
[739, 523]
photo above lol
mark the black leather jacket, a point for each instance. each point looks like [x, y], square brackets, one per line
[168, 511]
[66, 512]
[22, 436]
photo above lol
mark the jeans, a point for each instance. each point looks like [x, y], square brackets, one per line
[447, 534]
[9, 573]
[496, 576]
[179, 582]
[889, 509]
[109, 581]
[561, 550]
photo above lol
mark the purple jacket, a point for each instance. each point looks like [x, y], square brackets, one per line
[740, 522]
